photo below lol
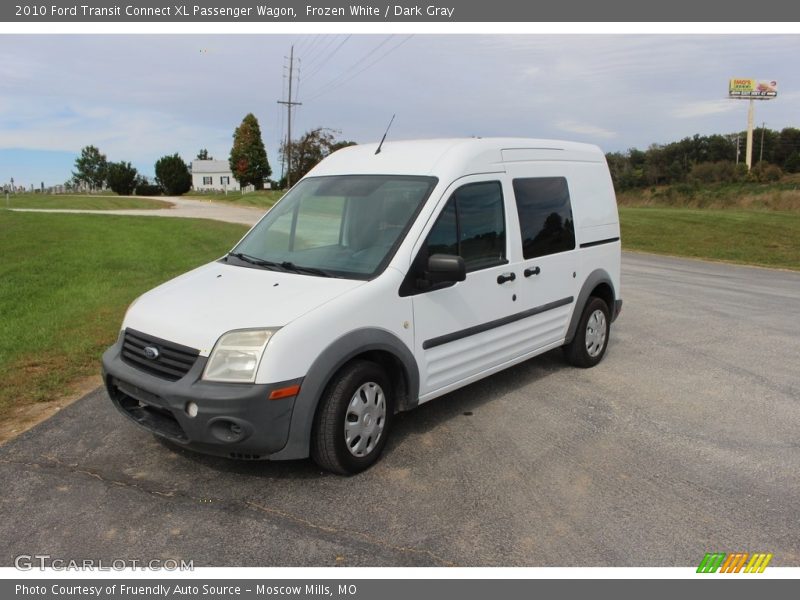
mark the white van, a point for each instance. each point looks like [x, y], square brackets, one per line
[386, 277]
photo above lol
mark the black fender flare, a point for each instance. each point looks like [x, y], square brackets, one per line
[594, 279]
[325, 366]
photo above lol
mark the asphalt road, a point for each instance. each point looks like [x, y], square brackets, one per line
[683, 440]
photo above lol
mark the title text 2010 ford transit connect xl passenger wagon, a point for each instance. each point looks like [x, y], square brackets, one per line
[380, 281]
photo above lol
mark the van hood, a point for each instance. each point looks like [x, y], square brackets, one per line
[196, 308]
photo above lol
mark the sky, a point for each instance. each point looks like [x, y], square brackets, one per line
[139, 97]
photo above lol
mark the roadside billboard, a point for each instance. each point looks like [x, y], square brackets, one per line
[763, 89]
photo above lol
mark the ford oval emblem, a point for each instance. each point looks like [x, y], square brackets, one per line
[151, 352]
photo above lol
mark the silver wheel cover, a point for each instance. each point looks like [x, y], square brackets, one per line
[596, 328]
[365, 419]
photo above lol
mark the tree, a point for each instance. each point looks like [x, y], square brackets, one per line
[121, 177]
[248, 160]
[792, 163]
[90, 168]
[173, 175]
[203, 155]
[311, 148]
[787, 144]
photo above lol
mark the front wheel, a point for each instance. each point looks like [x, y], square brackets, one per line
[353, 419]
[591, 338]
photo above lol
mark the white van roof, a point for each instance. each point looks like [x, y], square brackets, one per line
[451, 158]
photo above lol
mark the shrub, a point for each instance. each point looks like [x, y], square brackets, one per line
[145, 188]
[723, 171]
[792, 164]
[173, 175]
[121, 178]
[766, 173]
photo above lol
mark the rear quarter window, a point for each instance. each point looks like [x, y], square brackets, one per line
[545, 215]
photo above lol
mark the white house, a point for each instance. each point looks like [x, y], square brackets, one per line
[210, 175]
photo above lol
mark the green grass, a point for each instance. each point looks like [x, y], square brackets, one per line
[67, 280]
[260, 199]
[70, 201]
[766, 238]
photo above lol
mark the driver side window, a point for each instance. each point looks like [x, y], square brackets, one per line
[471, 225]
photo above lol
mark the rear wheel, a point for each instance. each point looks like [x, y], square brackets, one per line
[353, 419]
[591, 337]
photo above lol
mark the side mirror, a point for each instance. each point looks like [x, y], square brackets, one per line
[446, 268]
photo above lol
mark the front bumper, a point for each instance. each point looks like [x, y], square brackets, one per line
[235, 420]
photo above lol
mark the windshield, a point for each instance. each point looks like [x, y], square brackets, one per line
[341, 226]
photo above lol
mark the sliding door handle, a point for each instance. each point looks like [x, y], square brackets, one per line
[533, 271]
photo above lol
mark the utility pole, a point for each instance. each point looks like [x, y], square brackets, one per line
[749, 149]
[289, 104]
[761, 154]
[737, 149]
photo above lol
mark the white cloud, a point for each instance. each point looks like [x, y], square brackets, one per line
[585, 129]
[691, 110]
[137, 135]
[139, 97]
[532, 72]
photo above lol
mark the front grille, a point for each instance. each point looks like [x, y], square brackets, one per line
[173, 360]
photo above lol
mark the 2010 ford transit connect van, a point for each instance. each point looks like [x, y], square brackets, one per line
[380, 281]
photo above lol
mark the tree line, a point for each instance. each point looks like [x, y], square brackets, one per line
[248, 163]
[708, 159]
[93, 170]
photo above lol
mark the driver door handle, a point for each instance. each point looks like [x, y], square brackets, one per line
[501, 279]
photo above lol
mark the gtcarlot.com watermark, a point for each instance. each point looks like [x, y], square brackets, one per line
[42, 562]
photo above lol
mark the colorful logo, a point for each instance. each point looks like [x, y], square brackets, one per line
[734, 562]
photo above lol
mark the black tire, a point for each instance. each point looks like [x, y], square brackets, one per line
[576, 351]
[329, 447]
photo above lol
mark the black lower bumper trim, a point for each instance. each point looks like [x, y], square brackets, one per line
[157, 420]
[226, 419]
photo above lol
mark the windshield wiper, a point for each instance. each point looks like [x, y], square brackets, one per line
[253, 260]
[290, 266]
[282, 266]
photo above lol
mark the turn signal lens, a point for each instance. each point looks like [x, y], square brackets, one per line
[286, 392]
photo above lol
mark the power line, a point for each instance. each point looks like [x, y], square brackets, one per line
[312, 44]
[335, 80]
[328, 57]
[357, 73]
[321, 52]
[303, 40]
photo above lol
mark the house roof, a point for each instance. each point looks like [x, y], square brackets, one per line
[210, 166]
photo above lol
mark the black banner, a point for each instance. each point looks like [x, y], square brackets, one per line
[399, 11]
[397, 589]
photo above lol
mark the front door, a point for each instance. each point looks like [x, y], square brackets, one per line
[459, 330]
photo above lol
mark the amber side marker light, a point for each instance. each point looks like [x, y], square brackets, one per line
[292, 390]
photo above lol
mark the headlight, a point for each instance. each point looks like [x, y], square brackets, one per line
[236, 355]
